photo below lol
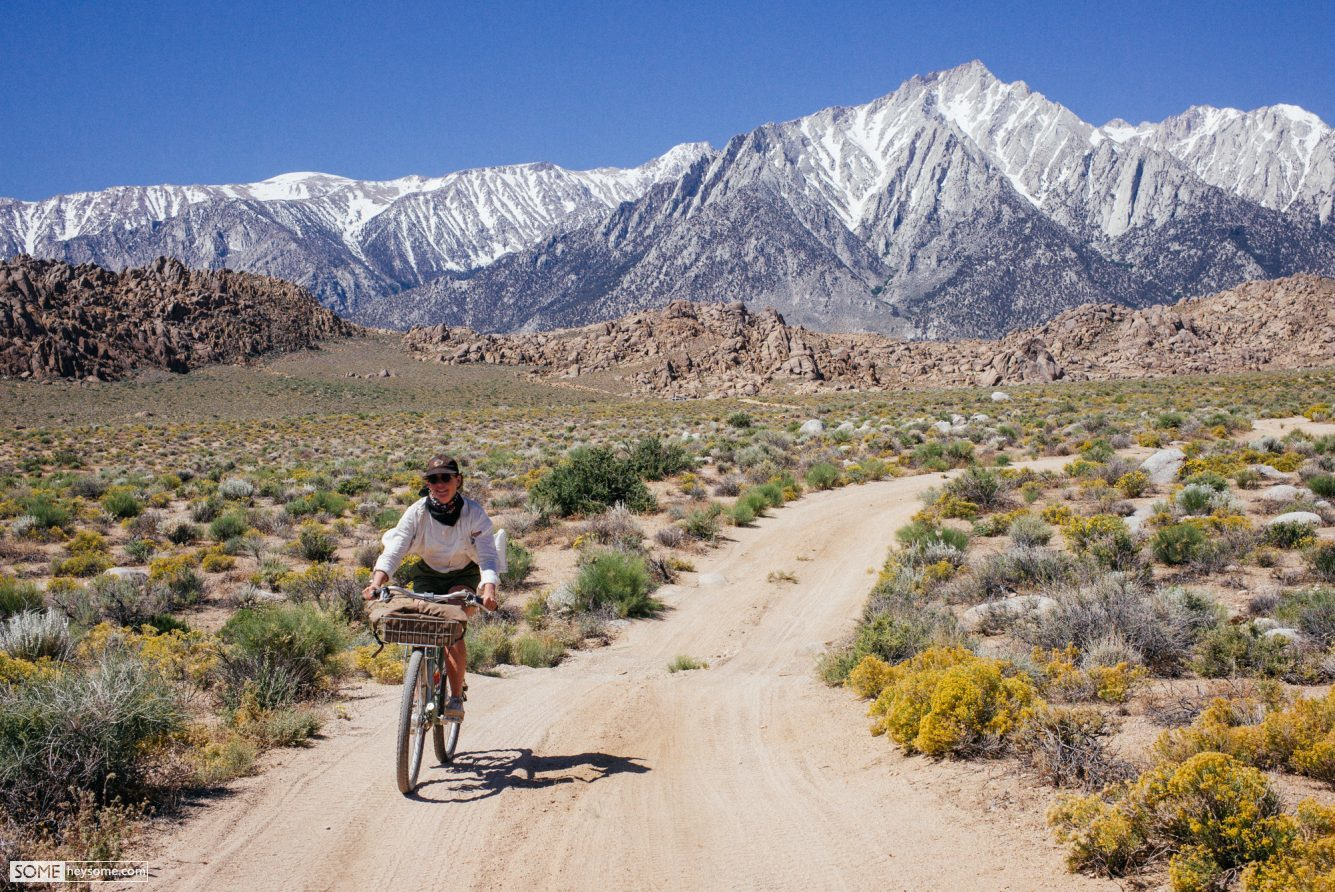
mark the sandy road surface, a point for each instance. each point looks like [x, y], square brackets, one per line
[608, 772]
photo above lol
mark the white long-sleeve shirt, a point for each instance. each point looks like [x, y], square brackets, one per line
[443, 548]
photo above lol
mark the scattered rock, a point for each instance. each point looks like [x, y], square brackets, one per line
[1306, 517]
[133, 574]
[1292, 636]
[1162, 466]
[1284, 492]
[1000, 396]
[811, 427]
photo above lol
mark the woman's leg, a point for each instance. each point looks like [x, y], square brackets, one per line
[456, 661]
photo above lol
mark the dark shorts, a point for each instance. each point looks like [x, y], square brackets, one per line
[424, 579]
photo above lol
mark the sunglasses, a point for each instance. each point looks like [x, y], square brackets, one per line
[441, 478]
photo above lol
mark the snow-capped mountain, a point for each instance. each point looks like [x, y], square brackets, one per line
[957, 205]
[347, 240]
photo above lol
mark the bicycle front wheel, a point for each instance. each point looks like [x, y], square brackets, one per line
[412, 724]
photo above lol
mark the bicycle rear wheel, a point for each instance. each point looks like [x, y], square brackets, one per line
[412, 723]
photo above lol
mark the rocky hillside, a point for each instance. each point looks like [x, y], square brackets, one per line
[693, 350]
[62, 321]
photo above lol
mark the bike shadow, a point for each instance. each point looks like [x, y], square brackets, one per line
[486, 773]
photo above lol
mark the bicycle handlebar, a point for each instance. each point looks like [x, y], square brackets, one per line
[385, 592]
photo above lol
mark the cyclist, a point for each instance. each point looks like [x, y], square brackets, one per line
[452, 534]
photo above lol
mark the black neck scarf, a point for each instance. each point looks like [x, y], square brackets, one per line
[448, 513]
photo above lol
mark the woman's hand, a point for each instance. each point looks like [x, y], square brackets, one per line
[488, 594]
[378, 578]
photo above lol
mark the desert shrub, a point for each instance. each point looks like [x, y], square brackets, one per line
[996, 575]
[518, 563]
[1196, 498]
[314, 543]
[177, 654]
[1105, 538]
[822, 475]
[986, 489]
[1067, 747]
[589, 480]
[740, 513]
[385, 667]
[1311, 610]
[1177, 543]
[17, 595]
[538, 650]
[34, 634]
[1323, 485]
[177, 573]
[182, 533]
[1289, 534]
[1133, 484]
[121, 503]
[1029, 531]
[946, 701]
[1320, 560]
[139, 551]
[615, 527]
[1061, 678]
[616, 579]
[283, 727]
[1162, 626]
[653, 459]
[48, 513]
[1307, 864]
[897, 635]
[488, 643]
[228, 526]
[919, 535]
[702, 524]
[204, 510]
[236, 488]
[685, 663]
[327, 585]
[122, 600]
[1215, 814]
[301, 639]
[82, 565]
[81, 729]
[671, 536]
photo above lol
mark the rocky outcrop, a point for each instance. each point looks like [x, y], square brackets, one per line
[711, 350]
[63, 321]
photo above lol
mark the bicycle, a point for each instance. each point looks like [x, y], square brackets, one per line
[424, 688]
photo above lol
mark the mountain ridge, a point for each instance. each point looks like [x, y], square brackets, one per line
[955, 205]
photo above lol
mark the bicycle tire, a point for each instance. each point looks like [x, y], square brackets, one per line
[408, 762]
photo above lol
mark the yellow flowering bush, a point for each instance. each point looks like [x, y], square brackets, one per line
[948, 701]
[1216, 813]
[1133, 484]
[387, 667]
[16, 670]
[1063, 679]
[180, 654]
[1308, 865]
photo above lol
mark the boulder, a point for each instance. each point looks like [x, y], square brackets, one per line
[1000, 396]
[1284, 492]
[1162, 466]
[1306, 517]
[811, 427]
[1292, 636]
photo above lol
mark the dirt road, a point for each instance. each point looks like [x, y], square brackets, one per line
[608, 772]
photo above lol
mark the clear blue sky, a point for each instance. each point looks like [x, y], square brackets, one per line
[109, 92]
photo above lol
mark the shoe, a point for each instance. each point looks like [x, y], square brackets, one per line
[454, 709]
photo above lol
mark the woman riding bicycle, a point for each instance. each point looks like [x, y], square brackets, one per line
[452, 534]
